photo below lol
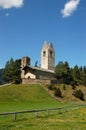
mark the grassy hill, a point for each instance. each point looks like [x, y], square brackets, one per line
[24, 97]
[67, 92]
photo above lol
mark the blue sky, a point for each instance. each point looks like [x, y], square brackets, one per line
[26, 24]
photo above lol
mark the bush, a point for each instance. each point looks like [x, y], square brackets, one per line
[73, 87]
[0, 82]
[51, 87]
[79, 94]
[64, 87]
[57, 92]
[73, 83]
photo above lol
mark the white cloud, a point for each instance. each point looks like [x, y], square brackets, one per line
[70, 7]
[6, 4]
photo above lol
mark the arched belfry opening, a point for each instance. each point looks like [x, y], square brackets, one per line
[51, 53]
[44, 53]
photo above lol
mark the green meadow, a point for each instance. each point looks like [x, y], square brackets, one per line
[72, 120]
[29, 97]
[25, 97]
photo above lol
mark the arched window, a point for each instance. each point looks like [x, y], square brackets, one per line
[51, 53]
[44, 53]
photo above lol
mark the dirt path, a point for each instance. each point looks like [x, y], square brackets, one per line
[5, 85]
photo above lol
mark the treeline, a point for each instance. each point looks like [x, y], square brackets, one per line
[1, 78]
[63, 72]
[73, 76]
[12, 71]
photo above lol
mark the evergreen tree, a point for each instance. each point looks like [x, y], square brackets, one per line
[76, 74]
[83, 76]
[17, 71]
[1, 80]
[59, 70]
[63, 72]
[12, 71]
[7, 72]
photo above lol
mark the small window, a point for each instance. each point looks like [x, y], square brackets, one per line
[51, 53]
[44, 53]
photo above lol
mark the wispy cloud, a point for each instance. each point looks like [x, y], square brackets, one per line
[6, 4]
[70, 7]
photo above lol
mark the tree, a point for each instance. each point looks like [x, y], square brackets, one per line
[36, 63]
[79, 74]
[1, 79]
[76, 74]
[59, 69]
[63, 72]
[12, 71]
[83, 79]
[7, 72]
[84, 76]
[17, 71]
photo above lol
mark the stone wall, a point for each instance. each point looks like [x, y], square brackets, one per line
[38, 81]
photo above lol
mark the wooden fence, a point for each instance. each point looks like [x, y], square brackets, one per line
[60, 110]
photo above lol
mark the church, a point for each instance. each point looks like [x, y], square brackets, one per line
[46, 70]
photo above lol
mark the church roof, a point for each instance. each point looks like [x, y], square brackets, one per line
[38, 68]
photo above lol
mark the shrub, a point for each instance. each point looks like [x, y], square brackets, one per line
[64, 87]
[73, 87]
[51, 87]
[0, 82]
[79, 94]
[73, 83]
[57, 92]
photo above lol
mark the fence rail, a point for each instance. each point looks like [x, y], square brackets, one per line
[60, 109]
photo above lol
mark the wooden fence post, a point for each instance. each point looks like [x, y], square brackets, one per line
[65, 109]
[48, 112]
[14, 116]
[36, 113]
[58, 110]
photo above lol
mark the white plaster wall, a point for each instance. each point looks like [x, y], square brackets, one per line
[32, 76]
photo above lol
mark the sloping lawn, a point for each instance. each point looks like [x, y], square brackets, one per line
[25, 97]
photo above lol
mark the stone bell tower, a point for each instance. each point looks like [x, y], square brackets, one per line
[48, 56]
[24, 62]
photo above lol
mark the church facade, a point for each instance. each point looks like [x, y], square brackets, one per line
[46, 69]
